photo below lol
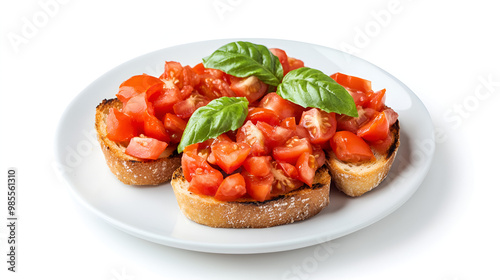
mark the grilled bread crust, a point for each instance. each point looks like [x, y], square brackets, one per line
[297, 205]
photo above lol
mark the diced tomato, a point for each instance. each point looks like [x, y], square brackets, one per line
[190, 80]
[289, 169]
[231, 188]
[306, 167]
[258, 166]
[190, 161]
[295, 63]
[173, 73]
[391, 115]
[289, 123]
[352, 124]
[259, 188]
[154, 128]
[174, 126]
[136, 85]
[282, 107]
[145, 148]
[349, 147]
[283, 58]
[205, 181]
[352, 82]
[119, 127]
[319, 154]
[360, 97]
[213, 83]
[376, 100]
[381, 146]
[263, 115]
[165, 101]
[253, 136]
[292, 149]
[135, 108]
[185, 108]
[274, 135]
[230, 155]
[320, 125]
[250, 87]
[376, 129]
[282, 182]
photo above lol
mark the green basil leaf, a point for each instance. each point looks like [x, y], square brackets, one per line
[219, 116]
[312, 88]
[244, 59]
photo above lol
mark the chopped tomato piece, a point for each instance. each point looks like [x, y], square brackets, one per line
[282, 182]
[319, 154]
[119, 126]
[263, 115]
[185, 108]
[376, 129]
[173, 74]
[295, 63]
[289, 123]
[250, 87]
[360, 97]
[259, 188]
[306, 167]
[289, 169]
[165, 101]
[145, 148]
[382, 146]
[231, 188]
[391, 115]
[275, 135]
[376, 100]
[154, 128]
[136, 85]
[205, 181]
[352, 124]
[253, 136]
[352, 82]
[230, 155]
[292, 149]
[135, 108]
[282, 107]
[283, 58]
[349, 147]
[320, 125]
[191, 161]
[258, 166]
[174, 126]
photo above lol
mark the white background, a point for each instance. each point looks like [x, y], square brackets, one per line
[446, 52]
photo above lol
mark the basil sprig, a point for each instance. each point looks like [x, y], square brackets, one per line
[244, 59]
[309, 87]
[219, 116]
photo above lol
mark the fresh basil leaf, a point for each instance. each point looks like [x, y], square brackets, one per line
[312, 88]
[219, 116]
[244, 59]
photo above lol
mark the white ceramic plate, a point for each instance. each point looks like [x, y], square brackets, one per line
[152, 213]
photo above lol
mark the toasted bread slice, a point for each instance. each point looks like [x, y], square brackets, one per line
[356, 179]
[297, 205]
[131, 170]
